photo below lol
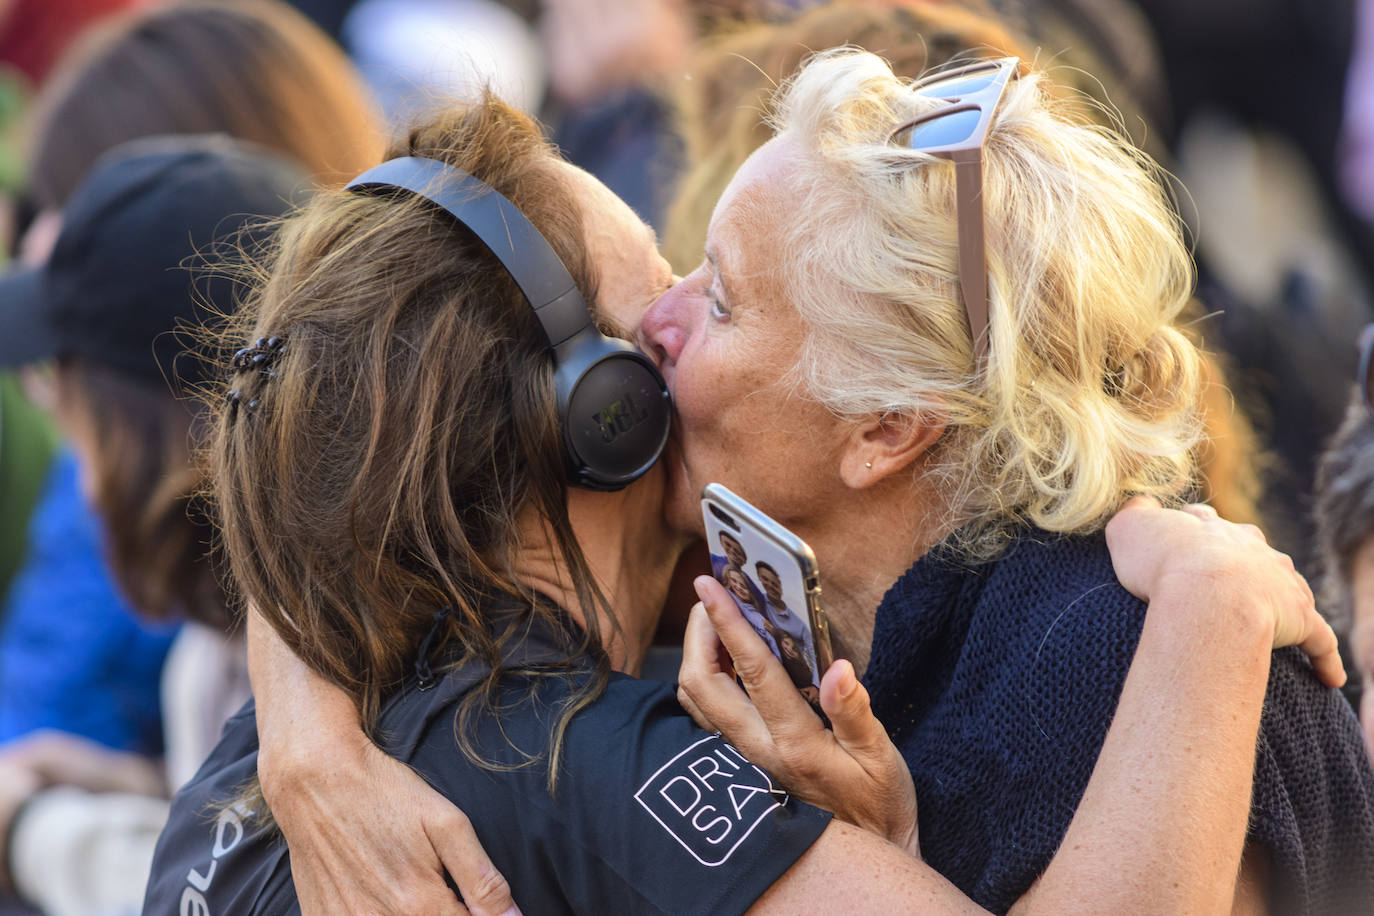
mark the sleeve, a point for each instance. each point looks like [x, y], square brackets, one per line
[649, 814]
[75, 852]
[1313, 805]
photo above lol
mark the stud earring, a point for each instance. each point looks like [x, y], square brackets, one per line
[868, 464]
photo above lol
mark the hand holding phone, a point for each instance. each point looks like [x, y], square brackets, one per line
[773, 576]
[847, 765]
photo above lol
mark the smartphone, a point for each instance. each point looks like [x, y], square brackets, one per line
[772, 575]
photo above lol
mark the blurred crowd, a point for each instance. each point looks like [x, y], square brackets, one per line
[131, 128]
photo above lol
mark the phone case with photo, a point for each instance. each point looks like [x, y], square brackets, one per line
[773, 577]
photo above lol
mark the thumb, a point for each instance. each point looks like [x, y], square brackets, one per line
[846, 702]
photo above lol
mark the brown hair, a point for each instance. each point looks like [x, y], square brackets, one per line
[158, 536]
[390, 468]
[255, 69]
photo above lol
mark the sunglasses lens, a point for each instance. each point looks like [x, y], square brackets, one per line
[959, 86]
[945, 130]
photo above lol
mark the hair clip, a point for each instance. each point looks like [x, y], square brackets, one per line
[261, 356]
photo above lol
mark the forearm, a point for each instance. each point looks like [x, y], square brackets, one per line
[849, 870]
[299, 712]
[1162, 823]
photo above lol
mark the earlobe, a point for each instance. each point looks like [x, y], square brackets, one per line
[885, 444]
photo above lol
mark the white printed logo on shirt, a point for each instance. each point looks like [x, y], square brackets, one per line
[709, 798]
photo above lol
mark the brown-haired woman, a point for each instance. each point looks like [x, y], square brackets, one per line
[393, 497]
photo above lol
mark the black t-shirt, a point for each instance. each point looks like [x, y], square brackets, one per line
[650, 814]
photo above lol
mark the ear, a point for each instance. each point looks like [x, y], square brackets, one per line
[885, 444]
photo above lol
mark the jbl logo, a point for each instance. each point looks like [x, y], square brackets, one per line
[619, 417]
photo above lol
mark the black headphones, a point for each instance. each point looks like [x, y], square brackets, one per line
[613, 406]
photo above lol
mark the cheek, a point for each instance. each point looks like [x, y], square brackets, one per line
[698, 392]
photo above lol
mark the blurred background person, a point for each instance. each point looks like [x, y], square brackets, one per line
[1345, 528]
[248, 68]
[107, 306]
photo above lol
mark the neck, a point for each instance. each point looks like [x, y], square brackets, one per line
[864, 545]
[631, 557]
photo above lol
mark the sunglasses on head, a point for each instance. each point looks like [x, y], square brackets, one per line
[957, 132]
[1363, 374]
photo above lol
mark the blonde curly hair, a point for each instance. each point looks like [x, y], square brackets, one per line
[1089, 393]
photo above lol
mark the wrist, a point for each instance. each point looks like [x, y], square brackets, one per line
[1212, 604]
[905, 837]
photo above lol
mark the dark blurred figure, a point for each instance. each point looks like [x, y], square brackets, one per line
[1275, 64]
[112, 305]
[72, 655]
[1345, 528]
[609, 64]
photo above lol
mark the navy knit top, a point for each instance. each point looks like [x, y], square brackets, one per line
[998, 684]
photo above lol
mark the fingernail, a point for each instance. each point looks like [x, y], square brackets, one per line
[847, 683]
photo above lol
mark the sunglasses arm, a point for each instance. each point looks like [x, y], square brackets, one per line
[973, 269]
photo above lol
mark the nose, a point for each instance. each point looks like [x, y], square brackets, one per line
[665, 327]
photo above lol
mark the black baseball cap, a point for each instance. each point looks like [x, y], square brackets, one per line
[129, 266]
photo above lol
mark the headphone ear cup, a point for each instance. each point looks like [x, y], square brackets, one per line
[615, 413]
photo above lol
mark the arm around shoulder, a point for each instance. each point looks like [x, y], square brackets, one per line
[317, 768]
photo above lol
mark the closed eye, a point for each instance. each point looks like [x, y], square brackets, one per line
[718, 309]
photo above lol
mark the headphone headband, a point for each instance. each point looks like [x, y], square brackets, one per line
[499, 224]
[614, 410]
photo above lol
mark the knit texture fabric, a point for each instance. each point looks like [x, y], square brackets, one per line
[998, 684]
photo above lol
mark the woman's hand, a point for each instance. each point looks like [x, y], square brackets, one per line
[396, 865]
[322, 777]
[854, 770]
[1193, 550]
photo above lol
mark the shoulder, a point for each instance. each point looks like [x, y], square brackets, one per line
[215, 854]
[1313, 807]
[1045, 625]
[648, 812]
[1040, 576]
[1047, 597]
[1062, 576]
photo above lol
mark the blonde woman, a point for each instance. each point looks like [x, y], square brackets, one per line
[957, 300]
[884, 432]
